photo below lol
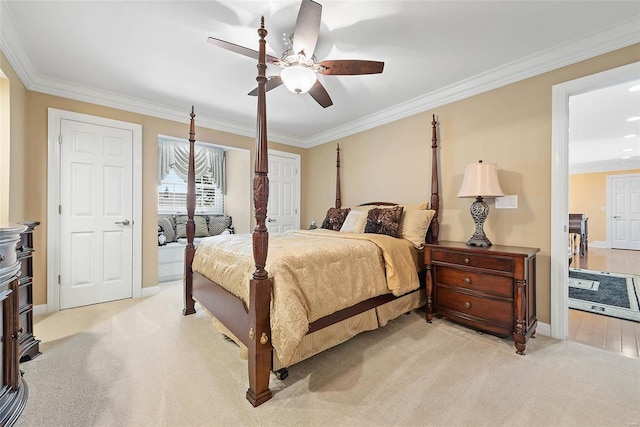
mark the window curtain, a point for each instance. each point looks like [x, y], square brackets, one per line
[173, 154]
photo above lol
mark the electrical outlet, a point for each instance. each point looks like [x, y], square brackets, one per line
[507, 202]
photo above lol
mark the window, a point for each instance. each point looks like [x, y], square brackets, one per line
[172, 195]
[173, 157]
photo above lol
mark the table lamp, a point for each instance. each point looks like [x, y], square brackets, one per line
[480, 180]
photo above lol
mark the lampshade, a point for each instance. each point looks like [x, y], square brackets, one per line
[480, 179]
[298, 79]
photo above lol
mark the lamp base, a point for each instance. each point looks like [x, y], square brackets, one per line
[479, 211]
[479, 241]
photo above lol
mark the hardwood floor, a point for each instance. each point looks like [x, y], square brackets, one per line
[616, 335]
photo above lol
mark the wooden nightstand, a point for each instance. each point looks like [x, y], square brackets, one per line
[489, 289]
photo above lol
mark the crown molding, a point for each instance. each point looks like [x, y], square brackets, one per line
[611, 165]
[13, 48]
[616, 37]
[619, 36]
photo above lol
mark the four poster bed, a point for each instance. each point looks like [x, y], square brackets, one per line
[318, 288]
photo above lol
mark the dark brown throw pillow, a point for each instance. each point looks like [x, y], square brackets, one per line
[335, 218]
[384, 221]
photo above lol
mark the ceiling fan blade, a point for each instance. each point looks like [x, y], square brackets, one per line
[272, 83]
[241, 50]
[349, 67]
[305, 35]
[319, 93]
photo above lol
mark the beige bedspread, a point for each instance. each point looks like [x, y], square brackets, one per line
[315, 273]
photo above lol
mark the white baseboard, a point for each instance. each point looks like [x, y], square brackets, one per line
[543, 329]
[39, 310]
[150, 290]
[597, 244]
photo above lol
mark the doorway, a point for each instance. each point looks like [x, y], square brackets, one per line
[94, 210]
[559, 183]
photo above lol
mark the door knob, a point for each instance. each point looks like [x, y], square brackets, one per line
[271, 220]
[123, 222]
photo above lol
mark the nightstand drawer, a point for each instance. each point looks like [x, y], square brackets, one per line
[500, 286]
[491, 289]
[496, 263]
[493, 311]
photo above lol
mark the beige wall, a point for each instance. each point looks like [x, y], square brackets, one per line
[588, 195]
[510, 126]
[239, 191]
[35, 143]
[5, 147]
[13, 189]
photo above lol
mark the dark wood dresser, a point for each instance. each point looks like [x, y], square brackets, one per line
[13, 390]
[29, 346]
[490, 289]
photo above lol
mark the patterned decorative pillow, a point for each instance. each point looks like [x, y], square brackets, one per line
[335, 218]
[167, 227]
[201, 226]
[384, 221]
[218, 223]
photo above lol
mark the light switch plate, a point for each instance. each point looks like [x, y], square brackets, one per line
[507, 202]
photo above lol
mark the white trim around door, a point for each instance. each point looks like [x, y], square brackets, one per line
[560, 184]
[55, 117]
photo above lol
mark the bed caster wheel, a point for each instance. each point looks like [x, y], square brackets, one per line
[282, 374]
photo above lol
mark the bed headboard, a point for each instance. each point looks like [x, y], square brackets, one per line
[434, 202]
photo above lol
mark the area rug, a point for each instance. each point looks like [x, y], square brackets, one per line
[609, 294]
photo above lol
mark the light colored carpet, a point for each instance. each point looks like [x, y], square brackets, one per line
[141, 363]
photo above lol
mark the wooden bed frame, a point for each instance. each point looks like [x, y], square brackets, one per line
[251, 324]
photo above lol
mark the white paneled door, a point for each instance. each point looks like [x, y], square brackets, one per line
[96, 213]
[624, 212]
[284, 181]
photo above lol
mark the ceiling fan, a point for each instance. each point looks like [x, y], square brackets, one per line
[299, 65]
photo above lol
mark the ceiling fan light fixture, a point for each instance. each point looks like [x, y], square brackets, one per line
[298, 79]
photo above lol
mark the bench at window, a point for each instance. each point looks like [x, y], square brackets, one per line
[171, 254]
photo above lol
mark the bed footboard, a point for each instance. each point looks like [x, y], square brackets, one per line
[248, 324]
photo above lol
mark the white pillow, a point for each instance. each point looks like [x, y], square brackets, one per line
[414, 226]
[354, 222]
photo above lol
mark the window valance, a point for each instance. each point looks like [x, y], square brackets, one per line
[174, 154]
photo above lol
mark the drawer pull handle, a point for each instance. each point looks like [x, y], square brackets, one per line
[466, 260]
[467, 304]
[467, 280]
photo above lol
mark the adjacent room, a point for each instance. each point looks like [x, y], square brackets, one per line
[603, 177]
[299, 212]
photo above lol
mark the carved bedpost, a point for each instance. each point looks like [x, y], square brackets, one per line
[190, 250]
[338, 200]
[260, 285]
[434, 229]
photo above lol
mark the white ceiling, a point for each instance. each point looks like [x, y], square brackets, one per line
[601, 136]
[152, 57]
